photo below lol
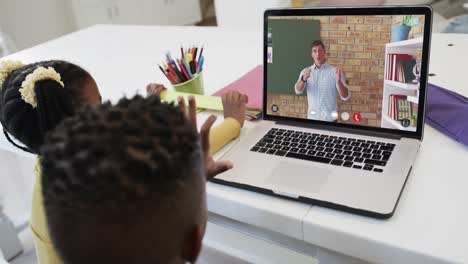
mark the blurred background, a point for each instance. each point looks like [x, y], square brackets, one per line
[26, 23]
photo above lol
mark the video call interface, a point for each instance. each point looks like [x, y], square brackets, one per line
[360, 70]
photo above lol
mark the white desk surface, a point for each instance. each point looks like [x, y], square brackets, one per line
[429, 224]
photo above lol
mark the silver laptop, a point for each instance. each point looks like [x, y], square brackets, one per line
[343, 102]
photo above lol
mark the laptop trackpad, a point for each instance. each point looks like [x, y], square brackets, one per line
[293, 177]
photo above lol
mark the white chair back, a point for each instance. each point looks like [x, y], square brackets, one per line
[6, 44]
[245, 13]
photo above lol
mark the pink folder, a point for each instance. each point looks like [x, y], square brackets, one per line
[250, 84]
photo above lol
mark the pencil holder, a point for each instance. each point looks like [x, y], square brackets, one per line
[193, 86]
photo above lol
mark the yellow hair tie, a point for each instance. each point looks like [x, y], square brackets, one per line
[6, 67]
[27, 87]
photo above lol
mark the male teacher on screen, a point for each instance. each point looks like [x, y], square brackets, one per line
[322, 81]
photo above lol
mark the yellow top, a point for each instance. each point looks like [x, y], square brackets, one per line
[219, 136]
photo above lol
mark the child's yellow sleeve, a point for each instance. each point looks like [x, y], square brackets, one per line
[223, 133]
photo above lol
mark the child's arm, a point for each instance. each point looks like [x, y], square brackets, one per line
[155, 88]
[234, 109]
[222, 134]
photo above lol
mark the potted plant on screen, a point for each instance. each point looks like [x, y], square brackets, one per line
[401, 32]
[413, 120]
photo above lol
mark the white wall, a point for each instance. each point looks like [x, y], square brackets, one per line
[30, 22]
[245, 13]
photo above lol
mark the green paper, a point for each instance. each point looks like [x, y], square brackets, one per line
[202, 101]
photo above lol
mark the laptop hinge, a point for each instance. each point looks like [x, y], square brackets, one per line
[355, 131]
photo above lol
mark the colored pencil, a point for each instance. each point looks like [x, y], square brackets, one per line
[200, 64]
[183, 69]
[187, 68]
[162, 70]
[201, 54]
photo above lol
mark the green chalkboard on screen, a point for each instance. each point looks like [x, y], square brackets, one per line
[289, 52]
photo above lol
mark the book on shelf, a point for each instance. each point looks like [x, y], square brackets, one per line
[403, 109]
[407, 68]
[399, 68]
[399, 108]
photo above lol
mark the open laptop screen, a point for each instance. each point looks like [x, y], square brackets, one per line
[361, 70]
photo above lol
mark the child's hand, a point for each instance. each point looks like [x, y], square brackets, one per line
[234, 105]
[212, 167]
[155, 88]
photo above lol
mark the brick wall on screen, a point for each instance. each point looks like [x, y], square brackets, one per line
[356, 44]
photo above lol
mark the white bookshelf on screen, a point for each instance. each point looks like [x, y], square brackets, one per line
[392, 86]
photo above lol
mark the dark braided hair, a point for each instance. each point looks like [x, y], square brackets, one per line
[109, 167]
[54, 102]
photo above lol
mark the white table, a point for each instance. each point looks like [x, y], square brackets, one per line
[430, 222]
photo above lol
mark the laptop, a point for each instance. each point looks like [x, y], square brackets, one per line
[343, 101]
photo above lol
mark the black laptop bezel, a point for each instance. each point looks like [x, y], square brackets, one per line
[349, 11]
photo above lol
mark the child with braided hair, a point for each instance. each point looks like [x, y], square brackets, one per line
[35, 98]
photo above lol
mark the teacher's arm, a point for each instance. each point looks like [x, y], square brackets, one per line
[342, 89]
[301, 82]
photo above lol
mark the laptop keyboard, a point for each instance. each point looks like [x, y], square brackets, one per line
[339, 151]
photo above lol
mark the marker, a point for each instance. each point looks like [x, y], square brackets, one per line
[192, 67]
